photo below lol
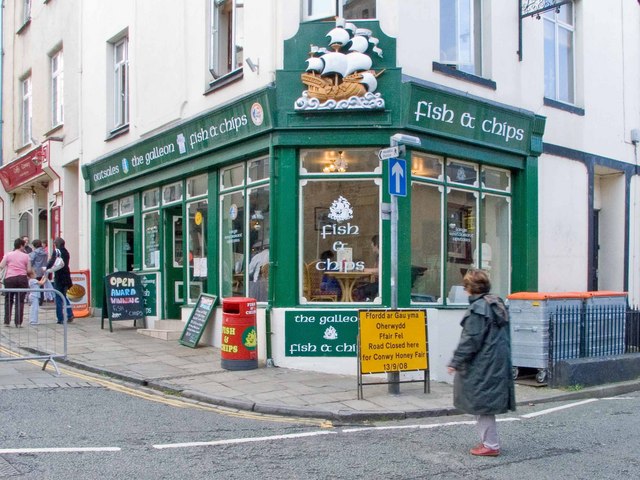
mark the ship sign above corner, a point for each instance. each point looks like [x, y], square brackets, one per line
[341, 77]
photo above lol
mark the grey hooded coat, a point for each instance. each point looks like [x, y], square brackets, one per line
[483, 384]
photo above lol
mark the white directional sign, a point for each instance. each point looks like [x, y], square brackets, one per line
[389, 152]
[398, 177]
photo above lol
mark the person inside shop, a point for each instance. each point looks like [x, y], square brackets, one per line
[258, 277]
[329, 285]
[368, 291]
[61, 280]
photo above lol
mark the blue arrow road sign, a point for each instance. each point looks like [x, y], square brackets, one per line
[398, 177]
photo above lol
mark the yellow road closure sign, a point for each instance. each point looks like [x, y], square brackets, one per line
[392, 340]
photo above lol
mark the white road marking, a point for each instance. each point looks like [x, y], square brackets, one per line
[232, 441]
[555, 409]
[59, 450]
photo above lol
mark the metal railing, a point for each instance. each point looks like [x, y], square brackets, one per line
[587, 331]
[42, 340]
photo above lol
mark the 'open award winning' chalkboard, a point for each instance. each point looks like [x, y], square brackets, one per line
[123, 298]
[198, 320]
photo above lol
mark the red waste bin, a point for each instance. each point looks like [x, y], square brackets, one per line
[239, 337]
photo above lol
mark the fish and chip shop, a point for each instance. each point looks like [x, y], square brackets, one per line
[279, 196]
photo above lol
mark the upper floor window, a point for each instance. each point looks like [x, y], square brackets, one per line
[26, 111]
[57, 89]
[460, 35]
[559, 69]
[227, 36]
[350, 9]
[26, 11]
[120, 83]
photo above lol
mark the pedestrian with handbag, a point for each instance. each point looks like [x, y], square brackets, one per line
[483, 383]
[59, 265]
[17, 267]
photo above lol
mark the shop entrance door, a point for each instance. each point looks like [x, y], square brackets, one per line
[122, 250]
[174, 261]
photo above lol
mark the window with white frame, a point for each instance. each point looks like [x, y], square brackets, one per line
[460, 219]
[460, 35]
[226, 40]
[349, 9]
[120, 83]
[26, 11]
[26, 111]
[559, 68]
[57, 89]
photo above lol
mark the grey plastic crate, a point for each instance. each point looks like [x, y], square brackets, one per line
[530, 328]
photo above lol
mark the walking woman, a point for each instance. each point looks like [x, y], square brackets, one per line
[17, 268]
[483, 385]
[61, 280]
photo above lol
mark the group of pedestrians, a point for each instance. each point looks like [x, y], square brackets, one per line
[30, 268]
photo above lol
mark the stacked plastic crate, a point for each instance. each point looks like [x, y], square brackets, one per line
[530, 313]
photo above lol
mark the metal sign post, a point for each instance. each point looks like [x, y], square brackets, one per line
[394, 377]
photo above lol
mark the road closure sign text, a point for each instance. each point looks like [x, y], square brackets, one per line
[392, 340]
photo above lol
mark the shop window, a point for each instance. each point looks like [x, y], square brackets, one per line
[427, 166]
[460, 172]
[353, 160]
[196, 239]
[232, 177]
[197, 186]
[151, 240]
[151, 198]
[57, 89]
[496, 179]
[460, 35]
[26, 112]
[172, 193]
[226, 40]
[340, 233]
[458, 223]
[559, 69]
[461, 229]
[318, 9]
[232, 247]
[245, 230]
[258, 170]
[126, 205]
[494, 251]
[426, 242]
[111, 210]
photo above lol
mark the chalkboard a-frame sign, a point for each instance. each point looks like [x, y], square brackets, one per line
[123, 298]
[200, 316]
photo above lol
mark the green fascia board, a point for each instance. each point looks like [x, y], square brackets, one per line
[225, 125]
[451, 114]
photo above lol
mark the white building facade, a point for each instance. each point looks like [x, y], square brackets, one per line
[188, 140]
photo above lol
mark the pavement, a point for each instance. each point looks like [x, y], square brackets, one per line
[196, 373]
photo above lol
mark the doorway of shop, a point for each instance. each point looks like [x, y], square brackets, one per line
[174, 262]
[120, 254]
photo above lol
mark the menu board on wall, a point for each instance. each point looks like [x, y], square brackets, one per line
[123, 298]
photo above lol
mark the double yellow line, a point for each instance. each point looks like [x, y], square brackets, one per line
[178, 403]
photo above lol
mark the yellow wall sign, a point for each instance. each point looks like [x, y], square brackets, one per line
[392, 340]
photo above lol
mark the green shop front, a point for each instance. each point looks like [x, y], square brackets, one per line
[281, 196]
